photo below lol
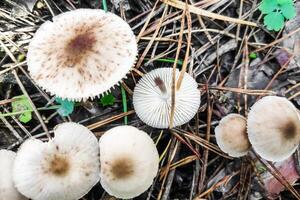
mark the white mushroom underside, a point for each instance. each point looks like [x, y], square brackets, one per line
[85, 73]
[264, 125]
[73, 142]
[153, 106]
[7, 189]
[128, 142]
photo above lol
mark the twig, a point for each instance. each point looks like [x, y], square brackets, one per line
[186, 58]
[199, 11]
[173, 86]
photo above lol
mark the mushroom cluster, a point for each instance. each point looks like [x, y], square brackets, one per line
[81, 53]
[69, 165]
[273, 130]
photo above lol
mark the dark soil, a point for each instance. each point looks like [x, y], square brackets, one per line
[219, 62]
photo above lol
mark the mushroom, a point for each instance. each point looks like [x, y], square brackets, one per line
[129, 161]
[82, 53]
[7, 189]
[64, 168]
[231, 135]
[274, 128]
[152, 98]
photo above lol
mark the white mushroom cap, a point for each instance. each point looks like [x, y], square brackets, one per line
[65, 168]
[7, 189]
[152, 98]
[129, 161]
[231, 135]
[82, 53]
[274, 128]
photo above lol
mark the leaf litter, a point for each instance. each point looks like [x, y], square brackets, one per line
[193, 167]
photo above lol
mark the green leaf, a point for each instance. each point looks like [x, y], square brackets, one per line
[107, 100]
[252, 55]
[274, 21]
[288, 10]
[281, 2]
[268, 6]
[20, 104]
[66, 107]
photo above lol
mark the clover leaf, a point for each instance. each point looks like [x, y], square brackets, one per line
[281, 2]
[274, 21]
[288, 10]
[276, 12]
[268, 6]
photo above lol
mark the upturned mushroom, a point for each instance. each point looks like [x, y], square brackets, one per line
[129, 161]
[274, 128]
[7, 188]
[231, 135]
[81, 53]
[64, 168]
[152, 98]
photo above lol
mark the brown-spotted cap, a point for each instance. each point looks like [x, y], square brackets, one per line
[81, 53]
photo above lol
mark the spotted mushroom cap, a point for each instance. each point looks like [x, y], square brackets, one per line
[64, 168]
[231, 135]
[82, 53]
[152, 98]
[274, 128]
[7, 189]
[129, 161]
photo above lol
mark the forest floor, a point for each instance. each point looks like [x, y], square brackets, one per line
[235, 62]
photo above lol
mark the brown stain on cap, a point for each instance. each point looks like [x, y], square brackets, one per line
[290, 130]
[59, 166]
[79, 47]
[81, 43]
[122, 168]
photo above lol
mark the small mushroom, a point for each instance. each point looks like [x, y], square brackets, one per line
[7, 189]
[82, 53]
[129, 161]
[231, 135]
[65, 168]
[152, 98]
[274, 128]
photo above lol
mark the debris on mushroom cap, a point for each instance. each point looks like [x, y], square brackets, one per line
[273, 127]
[65, 168]
[82, 53]
[129, 161]
[152, 98]
[7, 189]
[231, 135]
